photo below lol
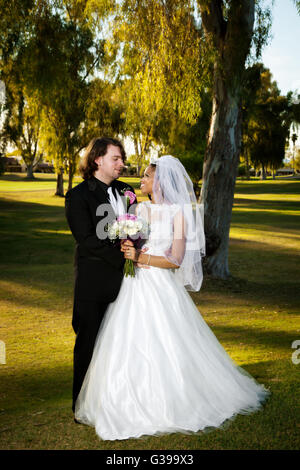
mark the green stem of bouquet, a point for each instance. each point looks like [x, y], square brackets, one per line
[129, 268]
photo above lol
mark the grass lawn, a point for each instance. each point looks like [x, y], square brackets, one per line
[255, 316]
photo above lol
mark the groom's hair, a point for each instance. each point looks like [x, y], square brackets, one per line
[97, 148]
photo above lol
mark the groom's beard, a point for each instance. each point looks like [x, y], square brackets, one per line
[120, 173]
[106, 178]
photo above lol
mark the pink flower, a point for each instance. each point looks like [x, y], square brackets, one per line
[127, 217]
[131, 196]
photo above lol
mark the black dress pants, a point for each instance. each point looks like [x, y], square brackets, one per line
[87, 317]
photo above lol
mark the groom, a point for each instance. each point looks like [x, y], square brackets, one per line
[98, 264]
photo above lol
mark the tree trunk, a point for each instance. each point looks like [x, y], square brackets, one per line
[219, 175]
[139, 155]
[29, 171]
[247, 164]
[230, 37]
[70, 181]
[70, 176]
[60, 183]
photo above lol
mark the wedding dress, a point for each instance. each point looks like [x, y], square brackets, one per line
[157, 367]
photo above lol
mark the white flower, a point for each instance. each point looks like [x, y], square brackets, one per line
[127, 227]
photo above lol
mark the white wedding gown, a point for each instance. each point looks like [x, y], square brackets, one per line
[157, 367]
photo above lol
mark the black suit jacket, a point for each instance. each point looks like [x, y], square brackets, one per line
[98, 263]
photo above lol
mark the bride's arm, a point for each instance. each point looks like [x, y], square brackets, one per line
[173, 257]
[144, 259]
[156, 261]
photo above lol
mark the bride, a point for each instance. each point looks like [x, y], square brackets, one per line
[157, 367]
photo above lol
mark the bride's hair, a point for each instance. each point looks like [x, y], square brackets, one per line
[153, 166]
[97, 148]
[172, 186]
[172, 181]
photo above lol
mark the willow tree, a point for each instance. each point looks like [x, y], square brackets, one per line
[22, 129]
[14, 24]
[58, 60]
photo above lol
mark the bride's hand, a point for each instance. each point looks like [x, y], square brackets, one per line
[141, 265]
[130, 252]
[125, 244]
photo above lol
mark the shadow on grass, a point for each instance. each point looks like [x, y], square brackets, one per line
[30, 233]
[38, 387]
[44, 177]
[45, 287]
[47, 290]
[22, 208]
[246, 294]
[264, 220]
[275, 205]
[46, 387]
[37, 235]
[292, 236]
[261, 258]
[268, 187]
[256, 253]
[21, 177]
[252, 336]
[261, 273]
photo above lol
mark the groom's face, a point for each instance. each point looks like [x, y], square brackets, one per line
[111, 164]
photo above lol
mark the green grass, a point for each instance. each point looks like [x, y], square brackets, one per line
[255, 316]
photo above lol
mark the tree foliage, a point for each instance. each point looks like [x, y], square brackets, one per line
[54, 60]
[267, 120]
[163, 52]
[14, 25]
[297, 3]
[23, 130]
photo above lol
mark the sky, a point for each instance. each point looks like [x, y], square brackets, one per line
[282, 55]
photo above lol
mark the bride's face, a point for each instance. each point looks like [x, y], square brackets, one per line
[147, 180]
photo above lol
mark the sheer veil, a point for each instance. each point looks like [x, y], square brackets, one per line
[172, 185]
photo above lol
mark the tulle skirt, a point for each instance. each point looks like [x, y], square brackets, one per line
[158, 368]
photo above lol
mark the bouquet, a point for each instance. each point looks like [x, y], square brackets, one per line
[129, 227]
